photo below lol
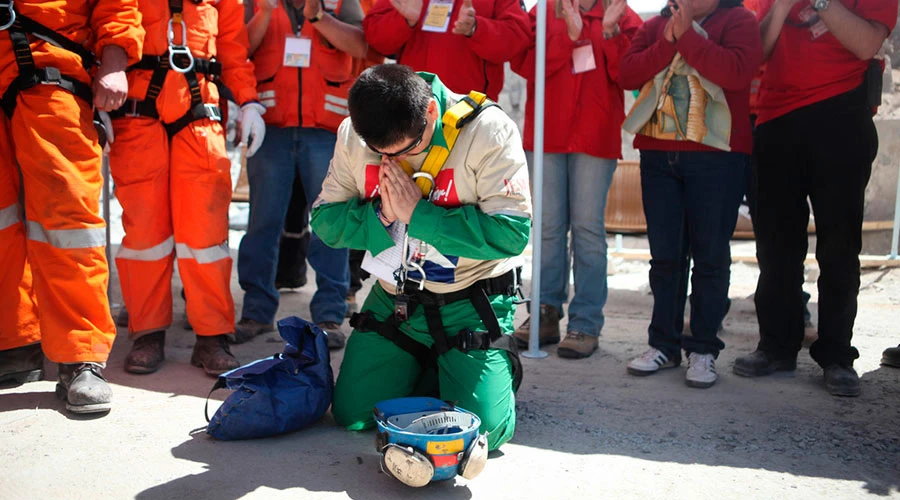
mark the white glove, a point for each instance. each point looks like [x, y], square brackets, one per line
[107, 124]
[252, 125]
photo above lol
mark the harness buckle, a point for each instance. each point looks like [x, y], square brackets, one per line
[51, 76]
[179, 49]
[12, 15]
[213, 112]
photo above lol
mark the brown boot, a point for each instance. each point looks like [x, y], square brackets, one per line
[548, 333]
[336, 336]
[577, 345]
[213, 355]
[147, 353]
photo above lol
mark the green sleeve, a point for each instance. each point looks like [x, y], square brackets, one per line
[350, 224]
[468, 232]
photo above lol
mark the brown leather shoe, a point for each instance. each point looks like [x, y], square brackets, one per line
[213, 355]
[147, 353]
[548, 333]
[336, 337]
[248, 329]
[577, 345]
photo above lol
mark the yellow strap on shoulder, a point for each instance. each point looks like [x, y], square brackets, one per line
[453, 121]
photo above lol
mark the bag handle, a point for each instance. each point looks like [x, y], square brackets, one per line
[220, 384]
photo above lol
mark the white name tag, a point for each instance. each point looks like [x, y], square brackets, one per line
[297, 52]
[583, 59]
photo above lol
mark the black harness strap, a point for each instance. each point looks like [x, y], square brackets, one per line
[161, 66]
[29, 75]
[479, 295]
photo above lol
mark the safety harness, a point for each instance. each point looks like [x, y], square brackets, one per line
[19, 28]
[177, 58]
[410, 295]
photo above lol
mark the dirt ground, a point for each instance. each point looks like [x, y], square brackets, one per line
[585, 429]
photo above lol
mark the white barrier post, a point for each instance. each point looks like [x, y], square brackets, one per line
[537, 182]
[896, 232]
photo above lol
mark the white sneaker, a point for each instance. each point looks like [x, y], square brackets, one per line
[701, 370]
[650, 362]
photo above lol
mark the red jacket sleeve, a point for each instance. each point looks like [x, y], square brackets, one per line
[385, 29]
[559, 47]
[615, 48]
[648, 54]
[118, 22]
[232, 46]
[733, 63]
[502, 35]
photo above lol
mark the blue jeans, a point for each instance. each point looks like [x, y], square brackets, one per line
[691, 201]
[575, 190]
[286, 153]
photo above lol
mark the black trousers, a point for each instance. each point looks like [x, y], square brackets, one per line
[824, 151]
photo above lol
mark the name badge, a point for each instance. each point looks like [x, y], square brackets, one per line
[297, 52]
[438, 17]
[583, 59]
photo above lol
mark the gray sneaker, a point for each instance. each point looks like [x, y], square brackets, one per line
[336, 337]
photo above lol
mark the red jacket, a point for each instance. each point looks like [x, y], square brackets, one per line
[462, 63]
[730, 58]
[585, 111]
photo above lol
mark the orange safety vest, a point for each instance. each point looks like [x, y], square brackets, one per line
[325, 83]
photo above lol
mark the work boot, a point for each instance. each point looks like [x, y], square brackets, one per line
[22, 364]
[147, 353]
[247, 329]
[211, 353]
[841, 380]
[83, 388]
[577, 345]
[548, 333]
[891, 357]
[336, 337]
[759, 363]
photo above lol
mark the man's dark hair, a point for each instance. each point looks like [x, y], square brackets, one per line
[387, 104]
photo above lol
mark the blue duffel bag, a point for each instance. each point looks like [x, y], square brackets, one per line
[282, 393]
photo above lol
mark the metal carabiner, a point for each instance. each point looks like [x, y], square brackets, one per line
[176, 50]
[12, 15]
[428, 176]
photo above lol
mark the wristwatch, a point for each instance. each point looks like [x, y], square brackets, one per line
[821, 5]
[318, 17]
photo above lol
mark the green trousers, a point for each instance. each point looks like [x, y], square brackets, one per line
[375, 369]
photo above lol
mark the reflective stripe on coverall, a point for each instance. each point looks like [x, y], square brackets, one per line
[175, 194]
[51, 140]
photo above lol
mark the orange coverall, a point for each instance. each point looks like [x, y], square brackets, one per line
[175, 194]
[51, 140]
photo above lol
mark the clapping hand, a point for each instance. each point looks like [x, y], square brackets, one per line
[465, 22]
[409, 9]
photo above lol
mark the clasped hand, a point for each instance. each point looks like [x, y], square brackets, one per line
[399, 193]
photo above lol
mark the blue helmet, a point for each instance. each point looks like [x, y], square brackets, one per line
[426, 439]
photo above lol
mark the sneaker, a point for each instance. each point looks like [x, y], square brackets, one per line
[213, 355]
[701, 370]
[841, 380]
[891, 357]
[548, 333]
[759, 363]
[352, 306]
[147, 353]
[577, 345]
[246, 329]
[650, 362]
[83, 388]
[22, 364]
[336, 337]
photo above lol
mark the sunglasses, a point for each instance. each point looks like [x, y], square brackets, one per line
[405, 150]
